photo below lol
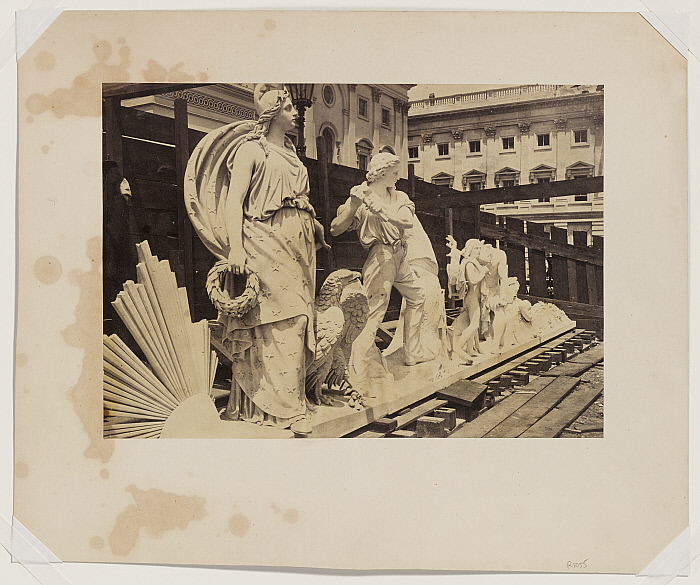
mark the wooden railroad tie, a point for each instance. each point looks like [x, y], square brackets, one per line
[449, 416]
[580, 363]
[521, 376]
[431, 427]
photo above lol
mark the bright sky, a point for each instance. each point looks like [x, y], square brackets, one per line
[421, 92]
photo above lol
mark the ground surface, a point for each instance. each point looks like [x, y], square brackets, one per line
[590, 423]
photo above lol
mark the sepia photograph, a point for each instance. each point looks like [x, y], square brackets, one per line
[243, 225]
[353, 260]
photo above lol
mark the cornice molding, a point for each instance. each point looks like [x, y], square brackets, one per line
[212, 104]
[582, 105]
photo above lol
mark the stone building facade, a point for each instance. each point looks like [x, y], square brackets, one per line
[355, 120]
[511, 136]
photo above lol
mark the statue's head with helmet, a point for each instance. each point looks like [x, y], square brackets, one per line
[269, 99]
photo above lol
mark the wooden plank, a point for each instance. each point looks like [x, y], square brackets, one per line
[536, 262]
[598, 246]
[147, 126]
[112, 124]
[581, 239]
[552, 424]
[496, 415]
[154, 195]
[572, 368]
[591, 283]
[407, 418]
[327, 260]
[153, 127]
[152, 222]
[535, 408]
[571, 275]
[148, 160]
[404, 420]
[580, 186]
[591, 356]
[530, 241]
[185, 229]
[516, 252]
[560, 274]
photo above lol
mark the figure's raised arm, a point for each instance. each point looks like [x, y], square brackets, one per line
[346, 213]
[241, 172]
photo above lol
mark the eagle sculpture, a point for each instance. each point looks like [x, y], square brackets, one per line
[339, 319]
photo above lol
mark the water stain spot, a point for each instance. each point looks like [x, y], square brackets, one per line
[30, 119]
[270, 24]
[83, 97]
[51, 142]
[203, 76]
[97, 543]
[21, 359]
[48, 269]
[239, 525]
[121, 40]
[156, 511]
[21, 469]
[291, 516]
[81, 334]
[45, 149]
[44, 61]
[156, 72]
[275, 508]
[104, 473]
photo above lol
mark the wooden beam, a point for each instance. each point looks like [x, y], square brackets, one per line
[454, 198]
[112, 125]
[537, 242]
[324, 192]
[125, 91]
[185, 231]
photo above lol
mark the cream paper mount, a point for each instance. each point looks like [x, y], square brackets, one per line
[474, 505]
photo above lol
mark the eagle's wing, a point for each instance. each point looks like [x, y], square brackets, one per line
[329, 327]
[355, 307]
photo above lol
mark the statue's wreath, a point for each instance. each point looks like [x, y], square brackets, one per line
[236, 307]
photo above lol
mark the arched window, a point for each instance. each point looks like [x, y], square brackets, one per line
[388, 149]
[364, 150]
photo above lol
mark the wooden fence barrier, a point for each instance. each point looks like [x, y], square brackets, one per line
[151, 152]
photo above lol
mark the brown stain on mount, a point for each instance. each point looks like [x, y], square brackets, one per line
[97, 543]
[48, 269]
[21, 469]
[156, 72]
[83, 97]
[290, 516]
[45, 61]
[156, 511]
[85, 334]
[239, 525]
